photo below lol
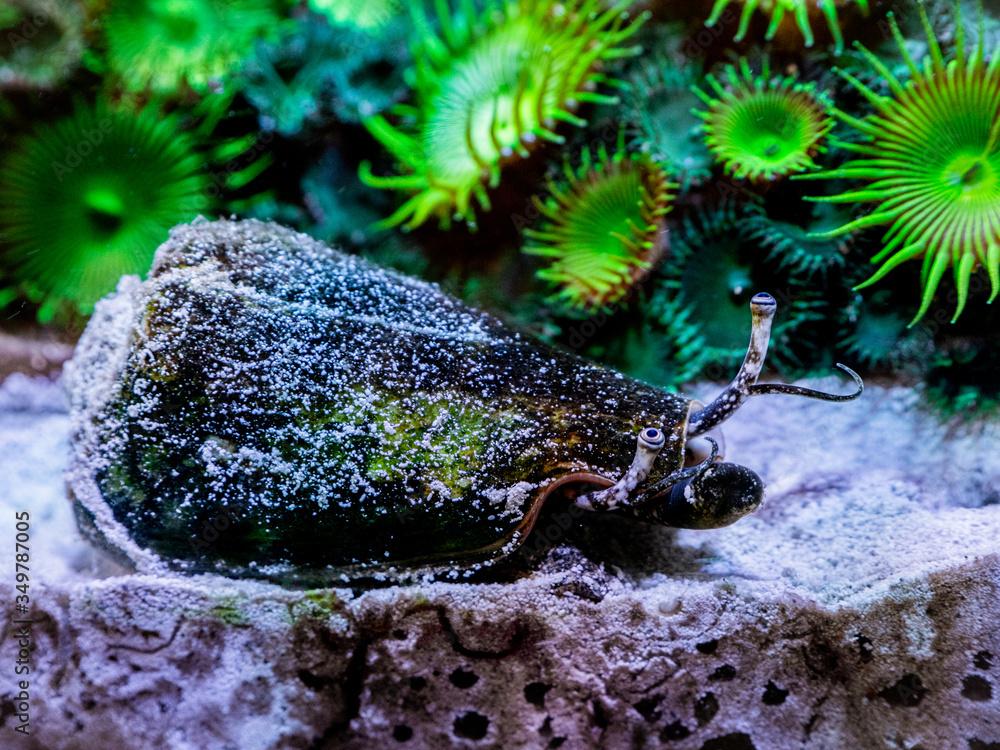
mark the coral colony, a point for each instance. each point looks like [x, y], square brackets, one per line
[617, 177]
[41, 43]
[930, 157]
[164, 44]
[660, 105]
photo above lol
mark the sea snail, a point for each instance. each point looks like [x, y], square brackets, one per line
[265, 406]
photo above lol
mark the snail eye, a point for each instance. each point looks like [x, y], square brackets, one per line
[653, 437]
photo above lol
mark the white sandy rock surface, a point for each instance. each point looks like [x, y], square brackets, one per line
[860, 608]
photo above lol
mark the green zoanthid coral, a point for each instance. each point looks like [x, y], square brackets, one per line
[603, 227]
[488, 86]
[706, 286]
[161, 44]
[799, 10]
[791, 232]
[878, 335]
[710, 277]
[89, 198]
[929, 156]
[314, 70]
[660, 103]
[763, 127]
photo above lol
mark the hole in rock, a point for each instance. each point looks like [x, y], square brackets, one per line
[674, 731]
[982, 660]
[734, 741]
[600, 715]
[534, 693]
[773, 695]
[463, 678]
[866, 649]
[976, 688]
[723, 674]
[647, 708]
[402, 733]
[705, 708]
[471, 725]
[907, 692]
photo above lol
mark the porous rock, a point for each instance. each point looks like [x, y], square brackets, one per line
[857, 609]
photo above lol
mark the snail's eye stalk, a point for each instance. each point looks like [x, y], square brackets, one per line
[648, 445]
[744, 385]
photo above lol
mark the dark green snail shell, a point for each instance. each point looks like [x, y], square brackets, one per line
[266, 406]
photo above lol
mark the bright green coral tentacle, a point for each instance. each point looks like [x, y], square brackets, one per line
[489, 85]
[763, 127]
[930, 158]
[602, 227]
[799, 10]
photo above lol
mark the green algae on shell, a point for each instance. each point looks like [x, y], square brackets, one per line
[265, 406]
